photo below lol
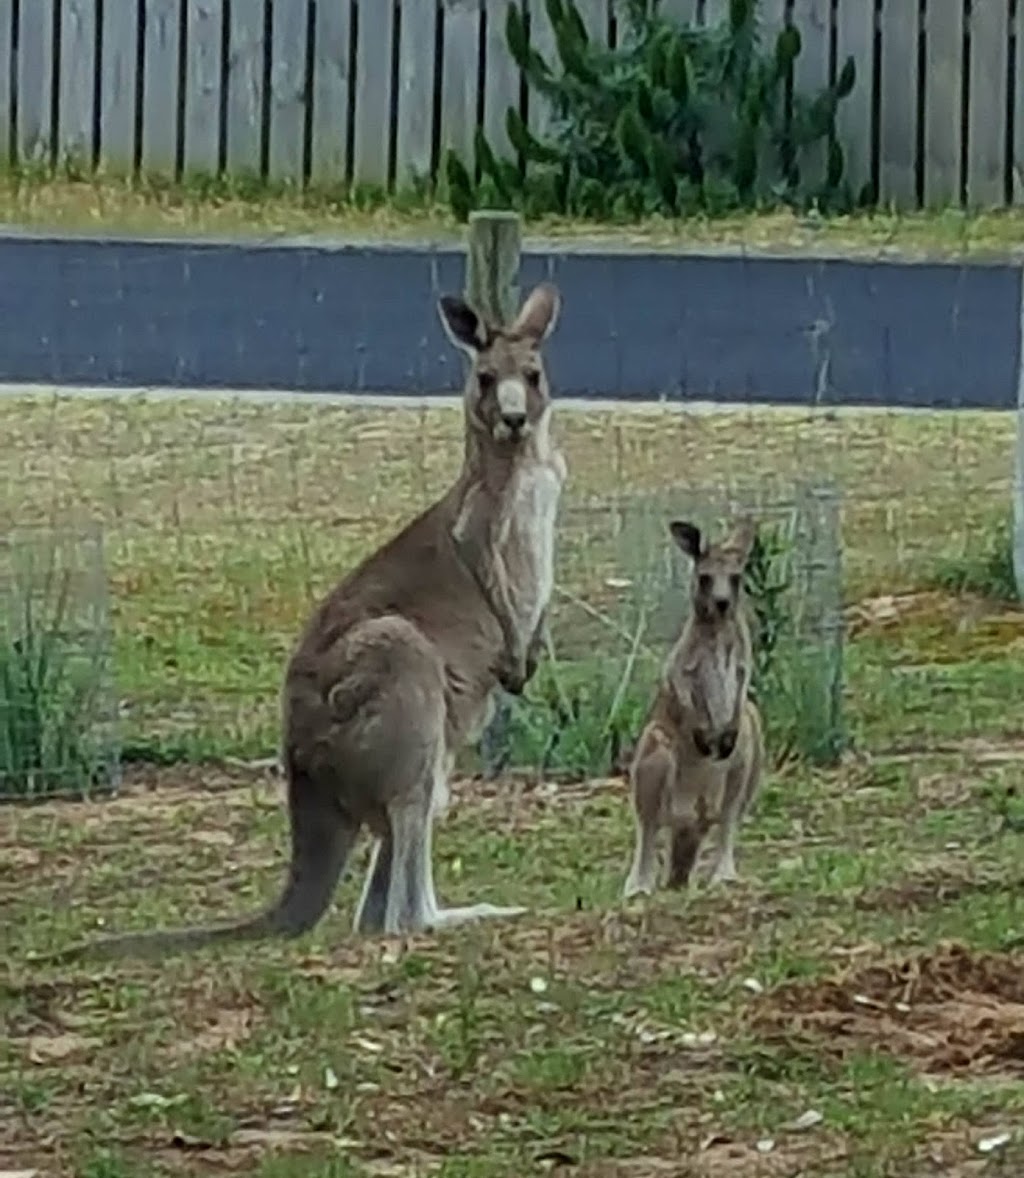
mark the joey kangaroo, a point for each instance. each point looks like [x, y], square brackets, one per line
[699, 758]
[397, 666]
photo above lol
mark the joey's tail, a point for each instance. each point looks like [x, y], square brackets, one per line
[323, 836]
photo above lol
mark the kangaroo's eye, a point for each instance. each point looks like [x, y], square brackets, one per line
[704, 581]
[487, 381]
[734, 581]
[532, 377]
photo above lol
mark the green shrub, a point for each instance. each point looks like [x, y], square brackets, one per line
[674, 120]
[56, 707]
[985, 566]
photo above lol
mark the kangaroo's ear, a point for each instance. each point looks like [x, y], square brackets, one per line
[743, 536]
[688, 537]
[462, 324]
[539, 313]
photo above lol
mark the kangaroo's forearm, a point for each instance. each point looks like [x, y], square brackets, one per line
[477, 552]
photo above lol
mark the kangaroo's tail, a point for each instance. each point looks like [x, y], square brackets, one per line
[323, 836]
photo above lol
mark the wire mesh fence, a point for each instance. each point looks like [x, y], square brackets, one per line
[225, 519]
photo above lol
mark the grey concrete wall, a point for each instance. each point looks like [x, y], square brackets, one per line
[636, 324]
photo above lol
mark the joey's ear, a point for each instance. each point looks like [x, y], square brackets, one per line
[462, 324]
[688, 537]
[539, 314]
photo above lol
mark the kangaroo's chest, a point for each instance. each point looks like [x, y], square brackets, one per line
[529, 537]
[718, 683]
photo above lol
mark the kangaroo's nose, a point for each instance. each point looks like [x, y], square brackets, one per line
[722, 605]
[514, 421]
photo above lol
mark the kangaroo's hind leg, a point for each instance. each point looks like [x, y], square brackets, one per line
[411, 899]
[742, 785]
[652, 775]
[439, 917]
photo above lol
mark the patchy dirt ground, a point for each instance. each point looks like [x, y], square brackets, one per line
[949, 1011]
[849, 1007]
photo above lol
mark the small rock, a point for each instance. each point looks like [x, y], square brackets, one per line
[765, 1145]
[753, 985]
[538, 985]
[991, 1144]
[330, 1079]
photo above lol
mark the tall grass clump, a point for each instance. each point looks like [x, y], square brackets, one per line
[57, 707]
[984, 566]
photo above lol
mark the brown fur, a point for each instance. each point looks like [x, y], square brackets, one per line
[698, 761]
[396, 667]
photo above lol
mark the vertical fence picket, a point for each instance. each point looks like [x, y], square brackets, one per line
[36, 60]
[202, 85]
[501, 88]
[6, 109]
[1017, 147]
[594, 14]
[810, 76]
[773, 21]
[898, 122]
[855, 36]
[288, 89]
[716, 12]
[416, 69]
[986, 109]
[942, 95]
[246, 48]
[329, 144]
[460, 79]
[773, 18]
[542, 39]
[118, 85]
[683, 11]
[77, 84]
[372, 130]
[160, 99]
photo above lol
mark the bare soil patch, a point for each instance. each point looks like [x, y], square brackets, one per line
[950, 1011]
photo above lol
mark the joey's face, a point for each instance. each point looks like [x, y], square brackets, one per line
[717, 569]
[507, 395]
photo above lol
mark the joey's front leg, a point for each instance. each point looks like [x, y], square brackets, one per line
[727, 741]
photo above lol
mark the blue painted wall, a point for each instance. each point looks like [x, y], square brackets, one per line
[640, 325]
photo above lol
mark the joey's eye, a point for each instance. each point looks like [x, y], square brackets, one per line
[704, 581]
[487, 382]
[532, 376]
[734, 582]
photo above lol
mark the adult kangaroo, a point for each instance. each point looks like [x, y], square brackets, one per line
[397, 666]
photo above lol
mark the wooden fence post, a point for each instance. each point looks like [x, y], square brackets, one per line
[492, 264]
[492, 289]
[1018, 479]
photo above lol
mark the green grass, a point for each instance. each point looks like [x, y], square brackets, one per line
[607, 1039]
[224, 521]
[601, 1033]
[206, 206]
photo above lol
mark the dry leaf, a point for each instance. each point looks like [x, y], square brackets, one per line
[806, 1120]
[48, 1048]
[10, 858]
[289, 1137]
[212, 838]
[228, 1029]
